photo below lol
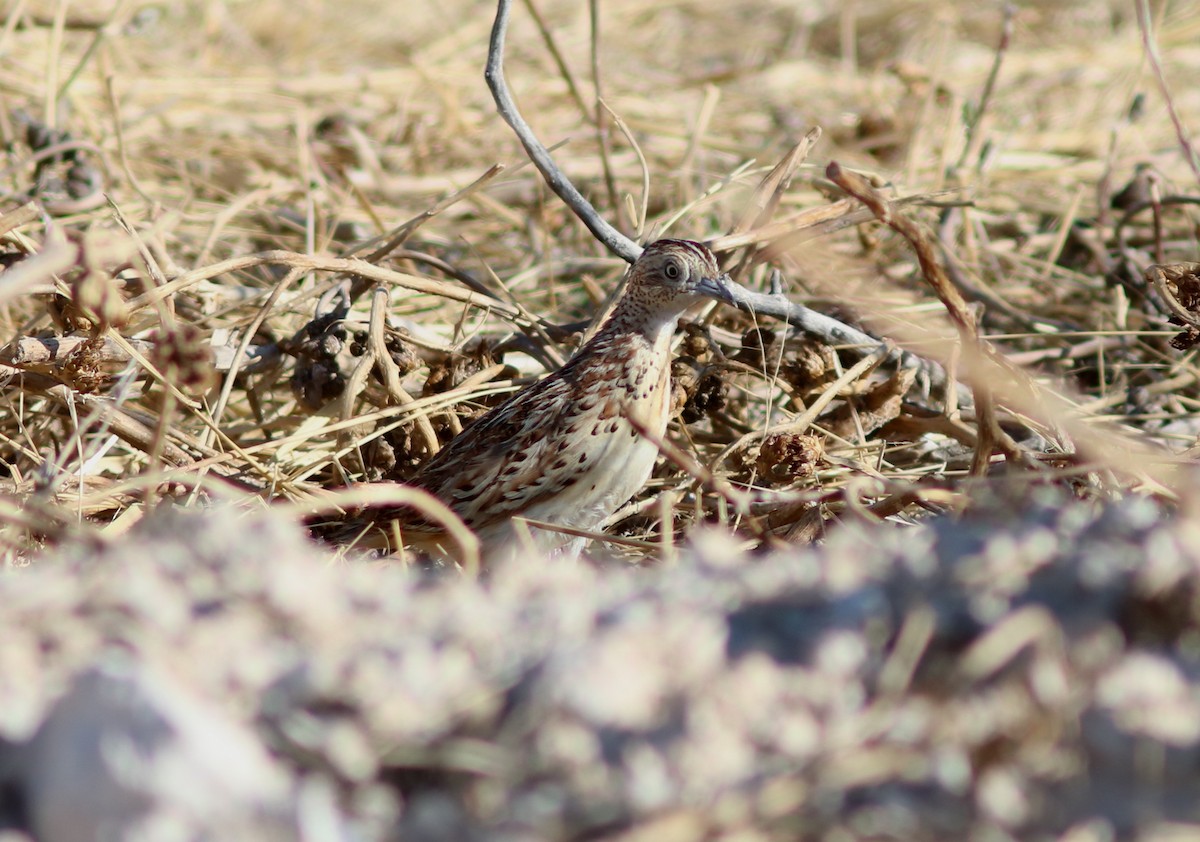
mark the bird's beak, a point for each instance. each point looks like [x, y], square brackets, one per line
[720, 288]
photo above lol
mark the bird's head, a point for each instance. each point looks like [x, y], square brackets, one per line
[671, 270]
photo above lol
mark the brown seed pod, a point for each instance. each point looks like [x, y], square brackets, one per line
[784, 458]
[457, 367]
[323, 351]
[697, 391]
[85, 369]
[182, 353]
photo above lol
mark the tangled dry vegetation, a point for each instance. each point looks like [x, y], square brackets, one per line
[291, 262]
[284, 256]
[266, 253]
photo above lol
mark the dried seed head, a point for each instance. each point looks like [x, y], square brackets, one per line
[810, 365]
[182, 353]
[85, 369]
[97, 300]
[95, 291]
[759, 349]
[457, 367]
[697, 391]
[784, 458]
[697, 343]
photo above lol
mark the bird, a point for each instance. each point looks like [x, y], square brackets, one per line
[572, 448]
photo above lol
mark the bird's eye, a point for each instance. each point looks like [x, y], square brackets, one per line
[672, 270]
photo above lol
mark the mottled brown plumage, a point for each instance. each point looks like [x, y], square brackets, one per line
[564, 450]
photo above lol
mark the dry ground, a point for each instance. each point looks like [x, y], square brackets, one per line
[183, 182]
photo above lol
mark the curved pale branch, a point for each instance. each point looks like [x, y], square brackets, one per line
[601, 229]
[810, 322]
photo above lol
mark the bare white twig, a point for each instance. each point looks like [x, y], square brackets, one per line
[817, 325]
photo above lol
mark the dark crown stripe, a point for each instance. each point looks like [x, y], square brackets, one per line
[697, 250]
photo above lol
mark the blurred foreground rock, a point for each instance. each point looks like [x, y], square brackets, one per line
[127, 752]
[1011, 674]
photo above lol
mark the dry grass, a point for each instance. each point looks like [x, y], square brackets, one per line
[247, 150]
[186, 185]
